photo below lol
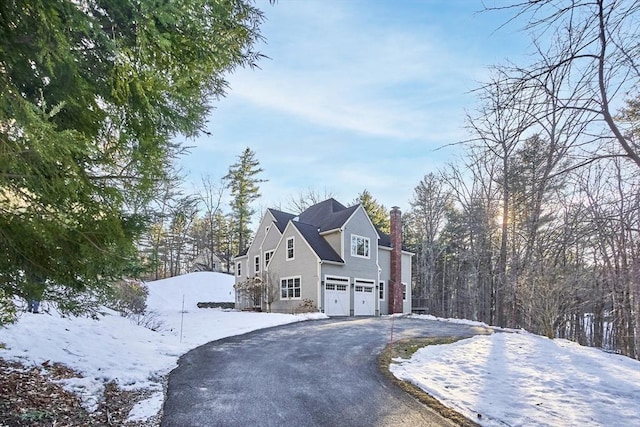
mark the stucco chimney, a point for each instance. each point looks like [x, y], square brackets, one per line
[395, 280]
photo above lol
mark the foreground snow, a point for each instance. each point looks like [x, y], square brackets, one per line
[115, 348]
[519, 379]
[509, 378]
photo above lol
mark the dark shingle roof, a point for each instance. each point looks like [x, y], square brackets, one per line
[318, 213]
[385, 239]
[282, 218]
[319, 245]
[337, 219]
[327, 215]
[324, 216]
[243, 252]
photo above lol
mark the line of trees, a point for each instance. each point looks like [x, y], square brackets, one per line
[539, 226]
[196, 231]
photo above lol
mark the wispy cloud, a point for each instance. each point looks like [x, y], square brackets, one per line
[356, 94]
[379, 81]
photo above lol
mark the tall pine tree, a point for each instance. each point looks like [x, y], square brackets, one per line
[92, 94]
[243, 182]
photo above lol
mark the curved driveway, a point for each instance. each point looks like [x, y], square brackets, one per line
[313, 373]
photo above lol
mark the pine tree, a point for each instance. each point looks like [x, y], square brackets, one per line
[376, 211]
[91, 95]
[244, 187]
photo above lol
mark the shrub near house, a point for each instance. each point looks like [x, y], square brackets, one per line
[329, 257]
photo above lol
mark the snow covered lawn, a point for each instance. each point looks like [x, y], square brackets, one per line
[115, 348]
[518, 379]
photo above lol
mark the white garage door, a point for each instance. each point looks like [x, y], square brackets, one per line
[364, 301]
[336, 299]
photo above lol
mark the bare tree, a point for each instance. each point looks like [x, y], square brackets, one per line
[499, 126]
[596, 44]
[211, 195]
[430, 203]
[304, 199]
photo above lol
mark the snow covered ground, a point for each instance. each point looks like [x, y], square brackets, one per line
[519, 379]
[115, 348]
[509, 378]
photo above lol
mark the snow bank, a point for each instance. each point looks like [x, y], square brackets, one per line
[115, 348]
[520, 379]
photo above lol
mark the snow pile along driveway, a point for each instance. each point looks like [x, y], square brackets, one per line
[520, 379]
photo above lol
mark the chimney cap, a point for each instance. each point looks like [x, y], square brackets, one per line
[395, 208]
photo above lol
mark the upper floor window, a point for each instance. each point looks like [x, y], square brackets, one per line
[267, 257]
[239, 269]
[290, 252]
[257, 263]
[360, 246]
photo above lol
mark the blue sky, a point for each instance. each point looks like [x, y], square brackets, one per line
[355, 95]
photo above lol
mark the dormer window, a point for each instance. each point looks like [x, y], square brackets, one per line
[360, 246]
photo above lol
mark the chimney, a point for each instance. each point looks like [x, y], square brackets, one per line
[395, 280]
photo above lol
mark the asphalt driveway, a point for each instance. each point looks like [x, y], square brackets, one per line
[313, 373]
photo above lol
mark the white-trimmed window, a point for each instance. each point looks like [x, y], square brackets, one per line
[404, 292]
[381, 289]
[290, 251]
[267, 258]
[290, 288]
[256, 263]
[239, 269]
[360, 246]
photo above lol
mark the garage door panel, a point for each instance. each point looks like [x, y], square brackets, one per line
[364, 301]
[336, 300]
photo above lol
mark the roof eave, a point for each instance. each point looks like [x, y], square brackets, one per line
[325, 261]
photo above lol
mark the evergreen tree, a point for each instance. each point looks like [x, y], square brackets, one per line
[243, 183]
[377, 212]
[92, 94]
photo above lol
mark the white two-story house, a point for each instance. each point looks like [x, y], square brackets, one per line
[330, 258]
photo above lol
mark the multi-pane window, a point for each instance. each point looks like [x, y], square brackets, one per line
[290, 252]
[257, 264]
[359, 246]
[381, 289]
[404, 291]
[239, 269]
[290, 288]
[267, 258]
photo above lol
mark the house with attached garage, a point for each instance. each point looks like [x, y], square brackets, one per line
[329, 258]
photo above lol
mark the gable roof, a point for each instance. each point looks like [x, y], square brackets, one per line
[318, 213]
[324, 216]
[385, 239]
[318, 244]
[282, 218]
[327, 215]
